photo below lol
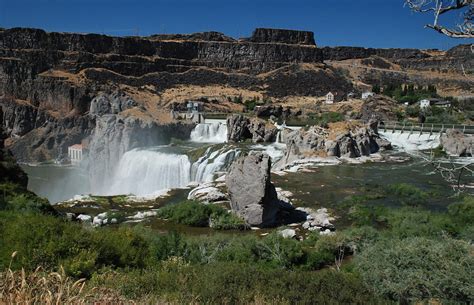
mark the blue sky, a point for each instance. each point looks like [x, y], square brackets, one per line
[368, 23]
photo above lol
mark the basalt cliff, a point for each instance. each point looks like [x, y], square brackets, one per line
[60, 89]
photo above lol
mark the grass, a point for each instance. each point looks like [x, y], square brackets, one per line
[41, 287]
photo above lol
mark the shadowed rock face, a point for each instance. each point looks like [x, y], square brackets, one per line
[252, 195]
[9, 170]
[263, 35]
[240, 128]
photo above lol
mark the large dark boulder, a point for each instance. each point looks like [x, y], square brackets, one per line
[252, 195]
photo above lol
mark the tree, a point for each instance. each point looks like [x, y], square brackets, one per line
[441, 7]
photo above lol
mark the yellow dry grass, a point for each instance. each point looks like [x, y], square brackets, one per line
[339, 128]
[66, 76]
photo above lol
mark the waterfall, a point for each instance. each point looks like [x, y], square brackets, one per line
[278, 137]
[143, 172]
[206, 166]
[411, 142]
[147, 172]
[211, 131]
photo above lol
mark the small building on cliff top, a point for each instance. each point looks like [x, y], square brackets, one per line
[329, 98]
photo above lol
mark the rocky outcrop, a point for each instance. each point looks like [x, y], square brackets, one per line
[116, 134]
[338, 140]
[207, 193]
[252, 195]
[39, 135]
[111, 104]
[379, 108]
[240, 128]
[456, 143]
[9, 169]
[264, 35]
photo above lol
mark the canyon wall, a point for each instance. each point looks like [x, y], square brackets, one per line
[49, 80]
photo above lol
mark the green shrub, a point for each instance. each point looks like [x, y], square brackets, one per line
[463, 212]
[408, 194]
[228, 221]
[14, 197]
[49, 241]
[196, 214]
[233, 283]
[363, 215]
[418, 269]
[409, 221]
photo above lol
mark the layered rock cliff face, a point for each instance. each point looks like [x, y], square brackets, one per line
[49, 82]
[9, 169]
[283, 36]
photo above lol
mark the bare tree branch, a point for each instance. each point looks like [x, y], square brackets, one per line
[440, 7]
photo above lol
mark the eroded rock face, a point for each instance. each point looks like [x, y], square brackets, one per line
[380, 108]
[240, 128]
[9, 169]
[111, 104]
[263, 35]
[456, 143]
[252, 195]
[324, 142]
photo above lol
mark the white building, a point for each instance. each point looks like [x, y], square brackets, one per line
[425, 103]
[75, 153]
[329, 98]
[367, 94]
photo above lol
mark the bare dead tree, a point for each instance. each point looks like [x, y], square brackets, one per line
[452, 172]
[465, 29]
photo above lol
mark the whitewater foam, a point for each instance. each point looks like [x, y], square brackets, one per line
[211, 131]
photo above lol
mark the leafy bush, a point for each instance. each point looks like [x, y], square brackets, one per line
[463, 212]
[363, 215]
[14, 197]
[196, 214]
[409, 221]
[233, 283]
[408, 194]
[419, 269]
[228, 221]
[49, 241]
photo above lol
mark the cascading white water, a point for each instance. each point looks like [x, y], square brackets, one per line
[211, 131]
[143, 172]
[411, 142]
[147, 172]
[278, 137]
[205, 168]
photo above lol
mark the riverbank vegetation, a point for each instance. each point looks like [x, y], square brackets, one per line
[385, 255]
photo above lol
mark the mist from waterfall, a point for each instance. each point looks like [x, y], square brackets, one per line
[143, 172]
[211, 131]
